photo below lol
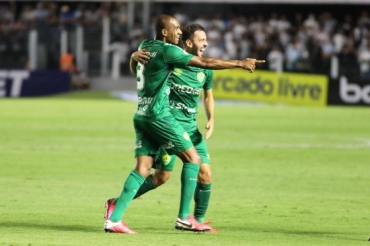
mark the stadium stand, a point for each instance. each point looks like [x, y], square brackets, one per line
[305, 41]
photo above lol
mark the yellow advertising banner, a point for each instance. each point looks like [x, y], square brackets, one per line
[266, 86]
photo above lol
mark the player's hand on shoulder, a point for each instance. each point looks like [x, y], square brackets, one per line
[142, 56]
[250, 64]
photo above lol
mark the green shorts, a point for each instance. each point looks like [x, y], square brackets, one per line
[166, 162]
[164, 133]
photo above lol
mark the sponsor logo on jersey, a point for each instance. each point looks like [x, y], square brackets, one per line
[200, 77]
[141, 110]
[145, 100]
[138, 145]
[186, 136]
[181, 106]
[208, 157]
[168, 145]
[185, 89]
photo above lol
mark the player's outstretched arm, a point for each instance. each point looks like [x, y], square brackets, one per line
[140, 56]
[218, 64]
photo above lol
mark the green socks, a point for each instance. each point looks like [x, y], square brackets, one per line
[201, 198]
[189, 176]
[136, 186]
[130, 188]
[146, 186]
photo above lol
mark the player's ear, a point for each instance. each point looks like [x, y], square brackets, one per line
[189, 43]
[164, 32]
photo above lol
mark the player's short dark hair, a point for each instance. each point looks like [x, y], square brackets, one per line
[189, 30]
[161, 23]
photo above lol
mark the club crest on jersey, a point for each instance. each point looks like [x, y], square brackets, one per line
[200, 77]
[177, 71]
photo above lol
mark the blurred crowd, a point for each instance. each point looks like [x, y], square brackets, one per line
[305, 43]
[48, 18]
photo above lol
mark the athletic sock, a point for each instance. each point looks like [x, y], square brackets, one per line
[201, 197]
[189, 176]
[146, 186]
[130, 188]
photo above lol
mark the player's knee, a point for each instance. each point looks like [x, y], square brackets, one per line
[195, 158]
[190, 156]
[205, 175]
[161, 177]
[161, 180]
[143, 169]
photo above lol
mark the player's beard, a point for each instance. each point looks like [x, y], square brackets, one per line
[196, 50]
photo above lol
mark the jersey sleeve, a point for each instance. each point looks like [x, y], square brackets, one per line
[208, 83]
[176, 56]
[141, 45]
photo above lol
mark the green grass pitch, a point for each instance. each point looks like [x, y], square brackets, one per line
[282, 175]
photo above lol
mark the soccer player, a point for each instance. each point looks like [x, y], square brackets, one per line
[156, 127]
[186, 85]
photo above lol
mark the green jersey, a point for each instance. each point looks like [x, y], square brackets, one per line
[153, 86]
[186, 85]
